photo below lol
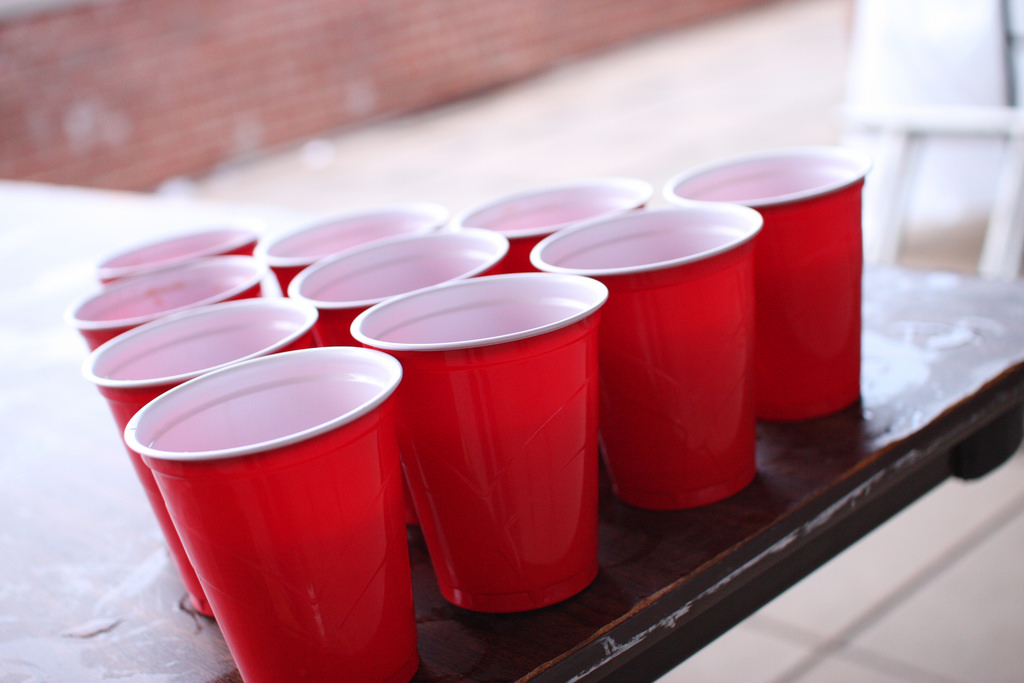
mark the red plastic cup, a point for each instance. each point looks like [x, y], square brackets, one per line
[809, 263]
[283, 480]
[676, 348]
[345, 285]
[176, 250]
[143, 363]
[498, 431]
[290, 252]
[128, 303]
[527, 217]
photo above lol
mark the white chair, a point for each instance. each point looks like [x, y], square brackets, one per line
[903, 129]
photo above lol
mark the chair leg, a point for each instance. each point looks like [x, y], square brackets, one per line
[884, 219]
[1003, 248]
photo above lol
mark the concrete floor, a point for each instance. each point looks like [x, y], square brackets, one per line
[935, 595]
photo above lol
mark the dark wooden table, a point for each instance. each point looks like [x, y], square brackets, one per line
[87, 591]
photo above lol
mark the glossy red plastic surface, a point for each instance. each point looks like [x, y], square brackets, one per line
[809, 262]
[676, 348]
[292, 512]
[809, 293]
[499, 442]
[133, 369]
[175, 250]
[131, 302]
[527, 217]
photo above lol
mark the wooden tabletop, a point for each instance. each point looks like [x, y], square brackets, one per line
[87, 591]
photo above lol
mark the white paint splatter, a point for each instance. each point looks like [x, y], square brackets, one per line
[93, 627]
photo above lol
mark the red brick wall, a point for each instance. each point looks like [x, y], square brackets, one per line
[126, 93]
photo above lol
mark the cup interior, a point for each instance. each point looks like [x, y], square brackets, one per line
[649, 239]
[313, 242]
[780, 176]
[383, 269]
[196, 341]
[168, 290]
[548, 208]
[478, 312]
[265, 403]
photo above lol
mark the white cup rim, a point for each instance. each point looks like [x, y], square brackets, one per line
[260, 372]
[257, 272]
[747, 221]
[230, 237]
[857, 162]
[434, 215]
[640, 192]
[124, 342]
[355, 255]
[591, 295]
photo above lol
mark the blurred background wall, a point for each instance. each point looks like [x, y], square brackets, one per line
[124, 94]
